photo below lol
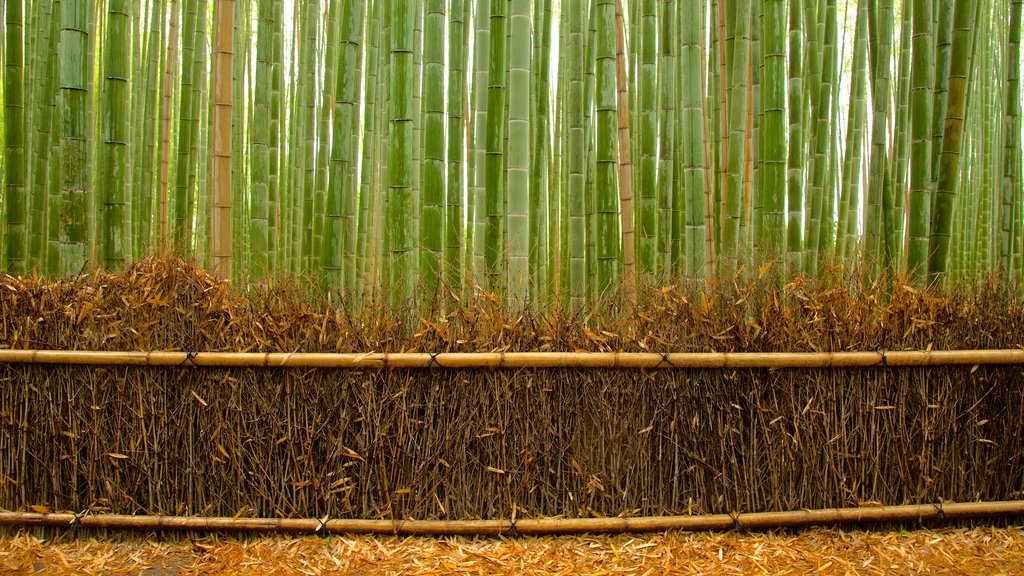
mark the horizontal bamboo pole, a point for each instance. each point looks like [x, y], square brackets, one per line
[373, 360]
[528, 527]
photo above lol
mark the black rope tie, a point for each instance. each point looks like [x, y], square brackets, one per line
[666, 360]
[735, 521]
[321, 529]
[885, 359]
[75, 521]
[433, 360]
[190, 359]
[512, 528]
[942, 511]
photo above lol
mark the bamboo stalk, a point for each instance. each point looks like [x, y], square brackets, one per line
[517, 360]
[527, 527]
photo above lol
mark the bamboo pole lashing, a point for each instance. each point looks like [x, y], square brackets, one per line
[519, 360]
[526, 527]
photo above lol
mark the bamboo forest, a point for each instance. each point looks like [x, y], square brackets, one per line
[544, 150]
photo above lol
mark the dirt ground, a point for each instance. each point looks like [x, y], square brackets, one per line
[952, 551]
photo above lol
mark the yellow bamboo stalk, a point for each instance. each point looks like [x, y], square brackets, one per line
[165, 127]
[517, 360]
[625, 166]
[220, 214]
[527, 527]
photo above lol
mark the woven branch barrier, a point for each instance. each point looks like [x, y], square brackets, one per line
[517, 360]
[580, 417]
[920, 513]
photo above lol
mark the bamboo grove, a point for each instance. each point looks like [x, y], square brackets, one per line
[545, 150]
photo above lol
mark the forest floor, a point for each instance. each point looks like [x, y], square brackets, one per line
[946, 551]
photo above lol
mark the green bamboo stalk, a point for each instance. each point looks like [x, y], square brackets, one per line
[753, 202]
[458, 51]
[154, 51]
[880, 42]
[624, 162]
[276, 136]
[69, 236]
[718, 128]
[692, 137]
[495, 175]
[43, 142]
[558, 214]
[576, 144]
[432, 229]
[543, 217]
[187, 123]
[771, 241]
[200, 200]
[857, 116]
[964, 27]
[666, 176]
[368, 247]
[476, 210]
[647, 134]
[517, 240]
[324, 132]
[417, 138]
[290, 150]
[259, 213]
[140, 16]
[737, 57]
[921, 101]
[399, 238]
[943, 47]
[167, 109]
[15, 159]
[590, 129]
[1011, 180]
[242, 114]
[822, 111]
[304, 234]
[339, 240]
[894, 214]
[116, 237]
[608, 246]
[796, 155]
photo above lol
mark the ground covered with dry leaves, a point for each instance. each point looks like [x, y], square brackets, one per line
[952, 551]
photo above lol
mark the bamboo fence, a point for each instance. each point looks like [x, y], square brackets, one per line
[532, 415]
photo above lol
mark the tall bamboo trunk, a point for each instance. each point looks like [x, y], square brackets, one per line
[15, 159]
[433, 143]
[964, 26]
[494, 245]
[692, 138]
[1011, 182]
[399, 238]
[919, 208]
[69, 223]
[116, 237]
[625, 162]
[608, 243]
[221, 140]
[772, 133]
[458, 50]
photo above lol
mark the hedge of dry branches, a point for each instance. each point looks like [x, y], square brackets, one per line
[493, 444]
